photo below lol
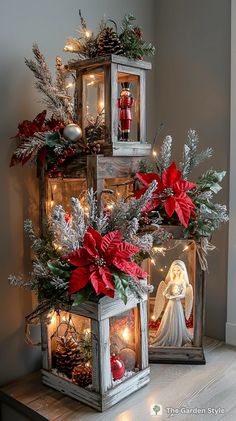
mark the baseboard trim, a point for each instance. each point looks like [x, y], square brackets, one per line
[230, 333]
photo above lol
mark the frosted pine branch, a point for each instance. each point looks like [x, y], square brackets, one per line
[59, 283]
[78, 217]
[56, 99]
[64, 232]
[145, 242]
[139, 288]
[191, 158]
[31, 146]
[92, 208]
[164, 159]
[19, 282]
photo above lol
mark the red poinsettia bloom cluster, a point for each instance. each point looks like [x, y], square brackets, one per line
[27, 129]
[171, 192]
[95, 261]
[39, 124]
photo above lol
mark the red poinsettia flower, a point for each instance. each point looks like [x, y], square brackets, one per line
[27, 129]
[39, 124]
[171, 192]
[96, 259]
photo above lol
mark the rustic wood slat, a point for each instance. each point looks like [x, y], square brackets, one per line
[45, 347]
[101, 356]
[112, 104]
[142, 107]
[143, 334]
[74, 391]
[112, 58]
[129, 386]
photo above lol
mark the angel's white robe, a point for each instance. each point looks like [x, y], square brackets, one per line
[172, 330]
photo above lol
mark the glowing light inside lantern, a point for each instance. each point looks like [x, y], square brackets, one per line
[87, 332]
[52, 203]
[154, 153]
[153, 262]
[159, 249]
[125, 333]
[110, 206]
[52, 318]
[68, 47]
[186, 248]
[69, 85]
[153, 317]
[87, 34]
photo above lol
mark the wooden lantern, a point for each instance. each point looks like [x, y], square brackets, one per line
[165, 331]
[98, 86]
[118, 335]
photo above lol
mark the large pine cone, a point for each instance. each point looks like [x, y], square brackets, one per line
[82, 374]
[108, 42]
[67, 355]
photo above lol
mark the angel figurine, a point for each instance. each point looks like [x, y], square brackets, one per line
[172, 330]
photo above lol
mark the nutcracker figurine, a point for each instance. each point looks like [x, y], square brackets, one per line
[125, 103]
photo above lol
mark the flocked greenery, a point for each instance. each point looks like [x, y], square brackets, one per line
[128, 41]
[209, 215]
[62, 235]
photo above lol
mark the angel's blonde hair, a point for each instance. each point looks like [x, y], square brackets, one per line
[181, 265]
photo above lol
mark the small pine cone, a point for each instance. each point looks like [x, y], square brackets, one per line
[108, 42]
[82, 375]
[67, 355]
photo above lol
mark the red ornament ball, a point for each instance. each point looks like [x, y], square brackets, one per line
[117, 367]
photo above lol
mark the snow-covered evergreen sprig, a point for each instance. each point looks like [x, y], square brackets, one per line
[164, 159]
[67, 235]
[55, 96]
[124, 212]
[191, 157]
[31, 147]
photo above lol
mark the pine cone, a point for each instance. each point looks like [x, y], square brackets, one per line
[67, 355]
[108, 42]
[82, 375]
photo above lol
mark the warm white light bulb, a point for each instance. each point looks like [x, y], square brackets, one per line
[69, 85]
[125, 333]
[87, 34]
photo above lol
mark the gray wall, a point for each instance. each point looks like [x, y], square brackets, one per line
[193, 91]
[49, 23]
[189, 87]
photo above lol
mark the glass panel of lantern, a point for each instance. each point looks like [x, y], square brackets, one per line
[124, 345]
[61, 190]
[175, 306]
[70, 348]
[128, 107]
[93, 112]
[117, 188]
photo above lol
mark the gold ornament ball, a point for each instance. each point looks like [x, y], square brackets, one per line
[72, 132]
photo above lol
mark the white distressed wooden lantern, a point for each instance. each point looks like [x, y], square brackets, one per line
[99, 83]
[176, 324]
[118, 331]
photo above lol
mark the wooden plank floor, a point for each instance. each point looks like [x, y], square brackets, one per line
[176, 386]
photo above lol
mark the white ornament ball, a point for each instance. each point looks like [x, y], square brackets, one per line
[129, 358]
[72, 132]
